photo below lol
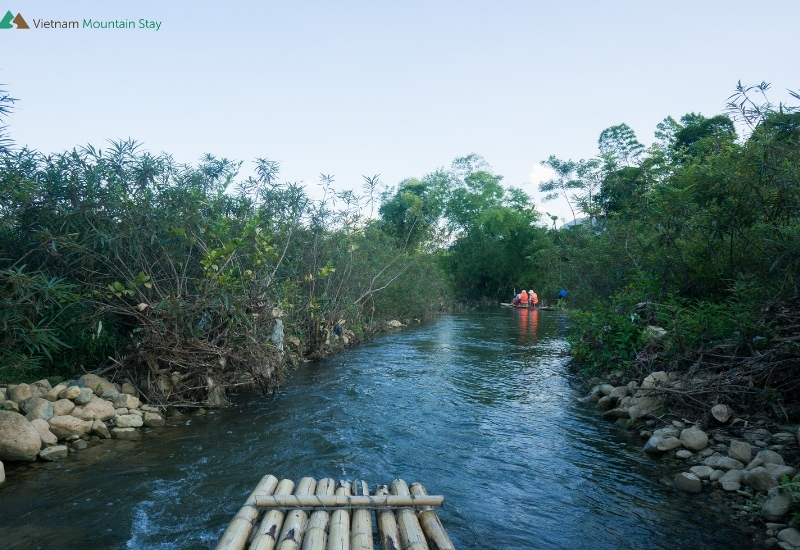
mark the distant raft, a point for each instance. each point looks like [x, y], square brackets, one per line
[326, 515]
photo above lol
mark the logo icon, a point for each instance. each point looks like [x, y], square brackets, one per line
[9, 20]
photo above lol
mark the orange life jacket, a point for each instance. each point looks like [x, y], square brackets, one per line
[523, 297]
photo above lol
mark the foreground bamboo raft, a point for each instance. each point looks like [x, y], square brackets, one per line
[326, 515]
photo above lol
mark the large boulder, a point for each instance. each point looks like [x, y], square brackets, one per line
[719, 462]
[36, 407]
[770, 457]
[153, 420]
[103, 410]
[98, 384]
[19, 393]
[759, 479]
[694, 439]
[48, 438]
[19, 440]
[741, 451]
[100, 429]
[775, 507]
[129, 421]
[68, 426]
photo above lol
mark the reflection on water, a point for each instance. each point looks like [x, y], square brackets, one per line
[479, 407]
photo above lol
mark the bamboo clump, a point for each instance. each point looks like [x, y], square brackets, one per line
[410, 531]
[430, 522]
[266, 537]
[238, 531]
[387, 524]
[339, 532]
[361, 531]
[317, 530]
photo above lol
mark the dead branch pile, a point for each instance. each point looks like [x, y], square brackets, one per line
[762, 379]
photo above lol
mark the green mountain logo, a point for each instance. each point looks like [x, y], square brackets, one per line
[9, 20]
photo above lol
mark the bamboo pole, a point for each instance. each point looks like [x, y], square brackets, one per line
[339, 532]
[410, 531]
[387, 524]
[361, 531]
[431, 524]
[294, 525]
[340, 501]
[317, 529]
[238, 531]
[266, 536]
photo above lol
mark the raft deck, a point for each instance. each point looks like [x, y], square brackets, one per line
[328, 515]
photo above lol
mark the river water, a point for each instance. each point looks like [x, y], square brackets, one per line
[479, 407]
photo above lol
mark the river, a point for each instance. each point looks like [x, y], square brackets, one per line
[480, 407]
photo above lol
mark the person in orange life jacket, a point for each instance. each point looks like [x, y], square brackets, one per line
[523, 299]
[534, 298]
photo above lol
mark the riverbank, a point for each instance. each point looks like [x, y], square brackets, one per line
[746, 462]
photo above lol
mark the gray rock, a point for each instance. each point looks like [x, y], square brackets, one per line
[126, 401]
[757, 434]
[741, 451]
[67, 426]
[153, 420]
[605, 403]
[70, 392]
[129, 421]
[62, 407]
[667, 431]
[688, 483]
[80, 412]
[651, 447]
[129, 388]
[77, 383]
[128, 434]
[790, 535]
[101, 408]
[619, 392]
[777, 471]
[19, 393]
[694, 439]
[718, 474]
[683, 454]
[755, 463]
[98, 384]
[770, 457]
[100, 429]
[759, 479]
[774, 508]
[731, 481]
[48, 438]
[783, 438]
[719, 462]
[615, 414]
[19, 440]
[703, 472]
[654, 379]
[667, 444]
[85, 396]
[110, 395]
[722, 413]
[53, 394]
[78, 445]
[36, 407]
[2, 473]
[606, 389]
[54, 453]
[11, 406]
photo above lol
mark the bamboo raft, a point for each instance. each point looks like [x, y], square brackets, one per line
[326, 515]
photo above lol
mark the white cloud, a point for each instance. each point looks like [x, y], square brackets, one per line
[540, 173]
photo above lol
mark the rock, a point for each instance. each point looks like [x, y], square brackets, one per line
[790, 535]
[53, 394]
[654, 379]
[759, 479]
[651, 447]
[741, 451]
[129, 421]
[757, 434]
[78, 445]
[688, 483]
[683, 454]
[101, 408]
[48, 438]
[216, 397]
[394, 323]
[36, 407]
[722, 413]
[19, 439]
[777, 471]
[81, 412]
[667, 444]
[127, 434]
[774, 508]
[66, 426]
[110, 395]
[703, 472]
[70, 392]
[731, 481]
[719, 462]
[783, 438]
[62, 407]
[755, 463]
[153, 420]
[11, 406]
[770, 457]
[120, 411]
[2, 473]
[605, 403]
[129, 389]
[77, 383]
[54, 453]
[100, 429]
[98, 384]
[85, 396]
[718, 474]
[614, 414]
[19, 393]
[667, 431]
[126, 400]
[650, 405]
[604, 389]
[694, 439]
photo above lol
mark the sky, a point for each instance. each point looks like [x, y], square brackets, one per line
[400, 89]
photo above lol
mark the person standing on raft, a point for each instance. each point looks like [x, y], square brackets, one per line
[523, 299]
[534, 298]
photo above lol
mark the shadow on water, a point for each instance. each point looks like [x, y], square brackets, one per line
[479, 407]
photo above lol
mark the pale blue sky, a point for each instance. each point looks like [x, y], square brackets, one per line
[391, 88]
